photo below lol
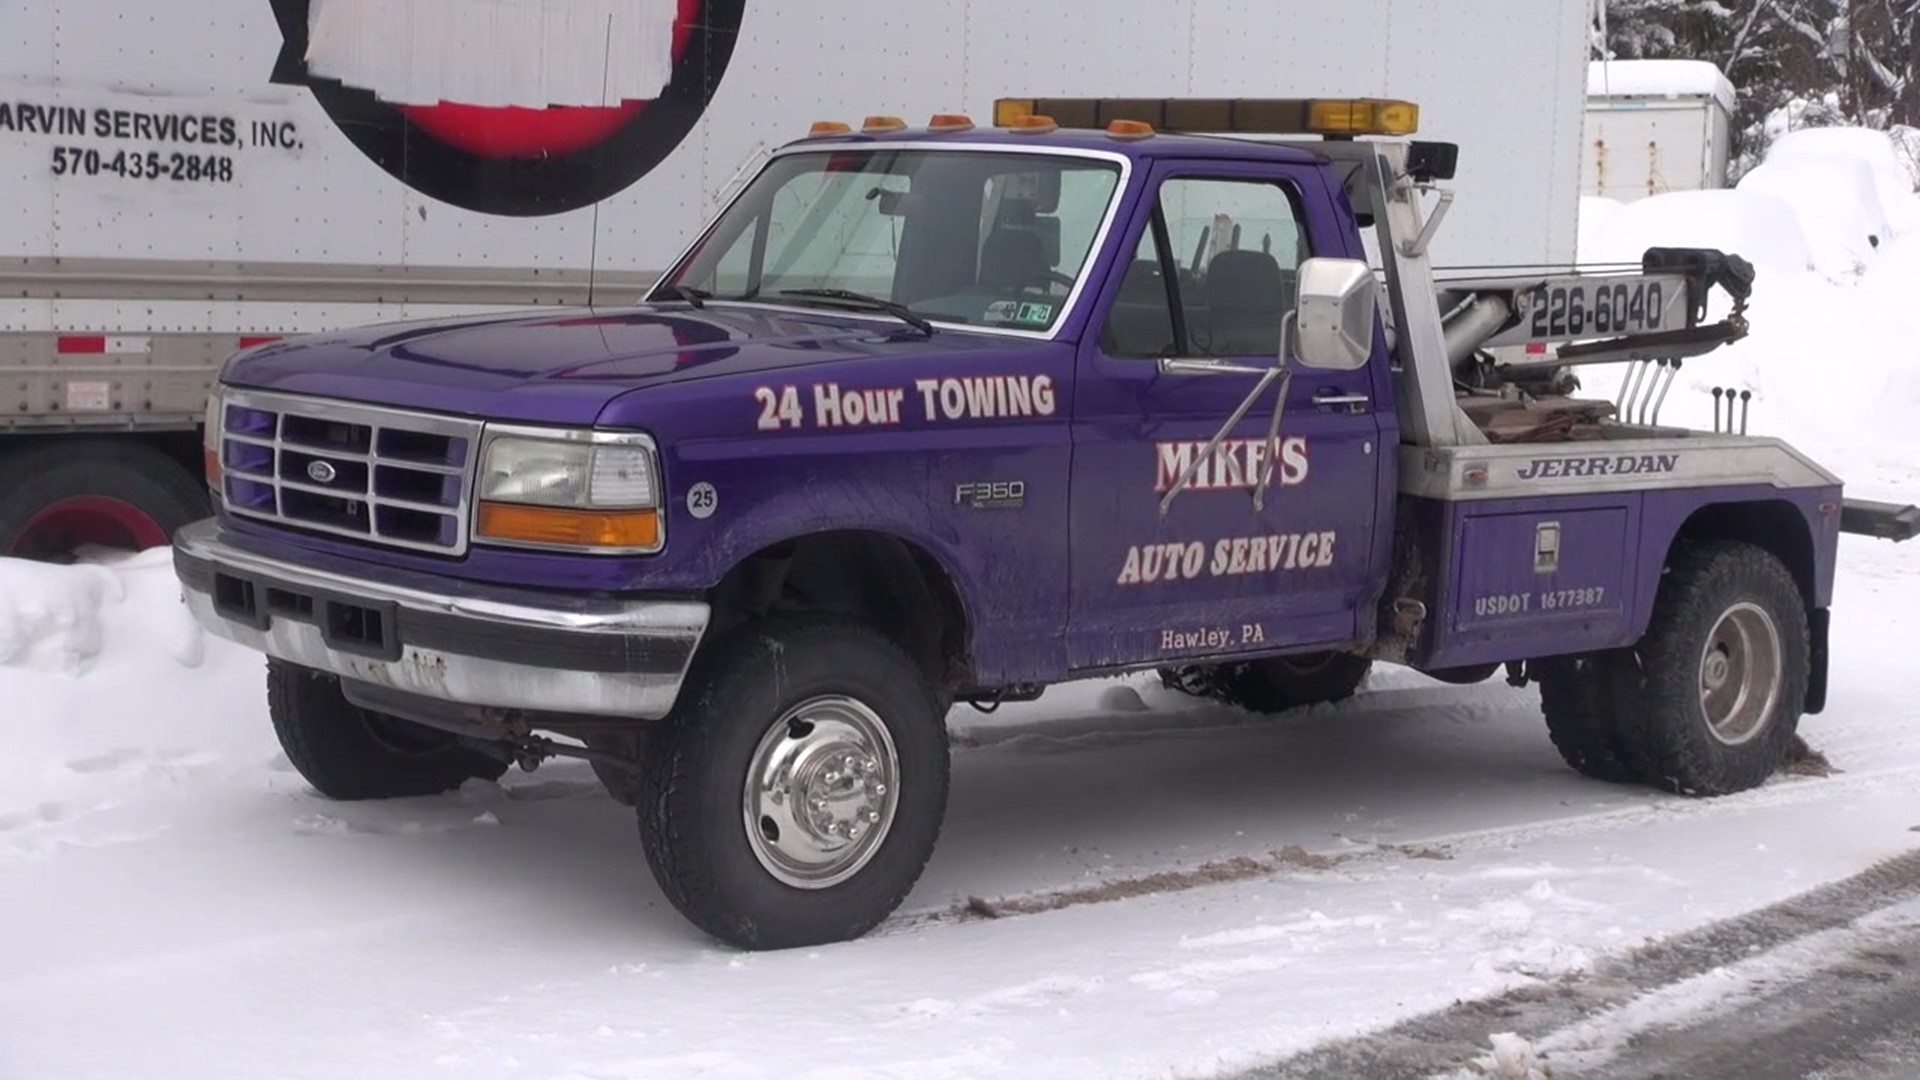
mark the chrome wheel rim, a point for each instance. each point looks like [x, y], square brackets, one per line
[1740, 674]
[821, 792]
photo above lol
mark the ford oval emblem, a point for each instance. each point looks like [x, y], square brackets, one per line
[322, 472]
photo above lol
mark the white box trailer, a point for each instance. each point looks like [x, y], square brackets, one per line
[185, 179]
[1655, 126]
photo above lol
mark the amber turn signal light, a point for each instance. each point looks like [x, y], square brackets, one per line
[564, 527]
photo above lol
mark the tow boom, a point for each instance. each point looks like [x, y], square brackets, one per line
[1657, 312]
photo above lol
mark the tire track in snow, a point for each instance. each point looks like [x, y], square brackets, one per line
[1294, 859]
[1456, 1037]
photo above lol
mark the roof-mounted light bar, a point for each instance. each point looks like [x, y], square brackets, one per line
[1334, 117]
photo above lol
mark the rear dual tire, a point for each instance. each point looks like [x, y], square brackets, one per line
[1709, 701]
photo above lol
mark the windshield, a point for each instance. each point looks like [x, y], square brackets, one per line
[980, 238]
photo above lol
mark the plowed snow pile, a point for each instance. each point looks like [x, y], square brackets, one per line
[1832, 225]
[174, 901]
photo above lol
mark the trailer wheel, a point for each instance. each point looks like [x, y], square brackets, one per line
[348, 753]
[796, 792]
[64, 495]
[1277, 684]
[1712, 695]
[1579, 696]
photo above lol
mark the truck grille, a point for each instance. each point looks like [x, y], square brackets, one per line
[383, 475]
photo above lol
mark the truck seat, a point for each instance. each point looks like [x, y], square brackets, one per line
[1246, 295]
[1015, 254]
[1013, 259]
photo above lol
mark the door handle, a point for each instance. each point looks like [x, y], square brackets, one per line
[1351, 402]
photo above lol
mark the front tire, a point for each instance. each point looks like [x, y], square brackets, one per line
[1711, 697]
[797, 790]
[349, 754]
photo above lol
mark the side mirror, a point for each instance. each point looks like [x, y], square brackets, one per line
[1336, 308]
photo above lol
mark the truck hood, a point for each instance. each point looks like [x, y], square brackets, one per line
[564, 368]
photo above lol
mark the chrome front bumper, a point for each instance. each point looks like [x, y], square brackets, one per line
[490, 647]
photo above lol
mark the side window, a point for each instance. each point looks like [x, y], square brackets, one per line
[1141, 321]
[1233, 247]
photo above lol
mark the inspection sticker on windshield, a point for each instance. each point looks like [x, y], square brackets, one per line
[1020, 312]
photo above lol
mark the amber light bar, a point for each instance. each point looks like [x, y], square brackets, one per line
[1225, 116]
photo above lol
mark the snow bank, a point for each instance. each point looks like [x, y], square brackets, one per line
[1824, 200]
[106, 680]
[1834, 200]
[1832, 227]
[1761, 227]
[1659, 78]
[1849, 187]
[1885, 155]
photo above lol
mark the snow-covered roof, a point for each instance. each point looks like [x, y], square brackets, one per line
[1659, 78]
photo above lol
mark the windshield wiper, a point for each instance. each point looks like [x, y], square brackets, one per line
[871, 303]
[696, 297]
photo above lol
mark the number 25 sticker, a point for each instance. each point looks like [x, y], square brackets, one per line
[702, 500]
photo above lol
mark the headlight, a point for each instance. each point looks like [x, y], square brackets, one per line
[210, 439]
[578, 491]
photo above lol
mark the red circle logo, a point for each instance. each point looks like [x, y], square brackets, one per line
[514, 158]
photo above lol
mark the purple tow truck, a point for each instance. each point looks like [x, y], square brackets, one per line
[953, 414]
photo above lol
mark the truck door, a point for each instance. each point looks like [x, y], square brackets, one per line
[1209, 273]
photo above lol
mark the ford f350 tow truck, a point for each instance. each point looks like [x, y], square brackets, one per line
[952, 414]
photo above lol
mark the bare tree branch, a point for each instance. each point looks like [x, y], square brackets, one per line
[1760, 7]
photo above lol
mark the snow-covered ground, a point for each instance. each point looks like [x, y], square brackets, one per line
[174, 902]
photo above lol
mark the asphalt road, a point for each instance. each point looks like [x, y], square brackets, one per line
[1826, 986]
[1858, 1019]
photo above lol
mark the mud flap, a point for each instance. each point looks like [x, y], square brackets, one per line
[1817, 620]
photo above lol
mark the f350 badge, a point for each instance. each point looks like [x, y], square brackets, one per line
[991, 495]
